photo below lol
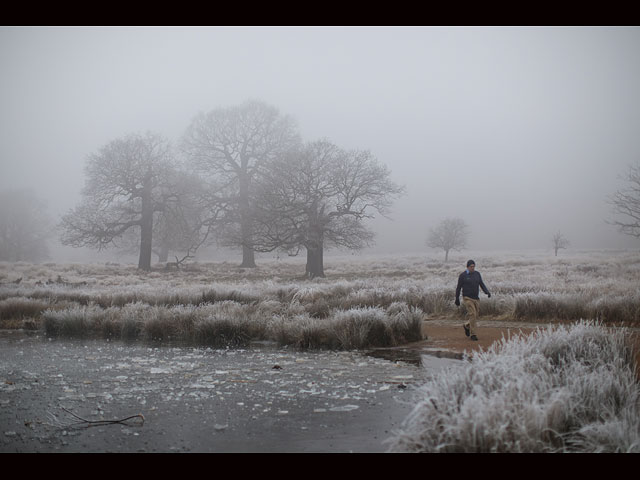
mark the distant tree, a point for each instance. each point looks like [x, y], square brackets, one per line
[559, 241]
[128, 181]
[626, 203]
[24, 227]
[450, 234]
[318, 196]
[229, 146]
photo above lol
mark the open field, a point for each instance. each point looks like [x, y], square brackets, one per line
[571, 385]
[363, 301]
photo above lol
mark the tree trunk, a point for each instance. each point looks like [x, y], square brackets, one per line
[446, 256]
[248, 257]
[246, 230]
[315, 263]
[315, 253]
[146, 234]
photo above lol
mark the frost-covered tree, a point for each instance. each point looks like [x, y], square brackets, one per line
[127, 182]
[318, 196]
[449, 234]
[184, 224]
[229, 146]
[559, 242]
[24, 227]
[626, 204]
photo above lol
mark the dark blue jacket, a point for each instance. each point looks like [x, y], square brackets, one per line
[470, 283]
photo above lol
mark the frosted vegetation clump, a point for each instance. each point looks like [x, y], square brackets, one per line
[562, 389]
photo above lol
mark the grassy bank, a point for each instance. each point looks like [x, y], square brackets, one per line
[219, 303]
[564, 389]
[229, 323]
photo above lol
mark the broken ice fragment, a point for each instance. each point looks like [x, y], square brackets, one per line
[344, 408]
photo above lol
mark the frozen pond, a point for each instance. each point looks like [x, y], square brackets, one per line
[260, 399]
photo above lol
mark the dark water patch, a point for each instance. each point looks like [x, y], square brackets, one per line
[421, 358]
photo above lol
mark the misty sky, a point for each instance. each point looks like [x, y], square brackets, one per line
[519, 131]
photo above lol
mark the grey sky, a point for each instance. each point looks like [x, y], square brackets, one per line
[519, 131]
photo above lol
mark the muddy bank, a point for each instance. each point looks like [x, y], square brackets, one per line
[260, 399]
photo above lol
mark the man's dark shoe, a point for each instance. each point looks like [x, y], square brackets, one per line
[467, 331]
[473, 337]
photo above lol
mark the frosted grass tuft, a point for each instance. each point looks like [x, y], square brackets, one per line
[562, 389]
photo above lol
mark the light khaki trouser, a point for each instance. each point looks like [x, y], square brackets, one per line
[473, 310]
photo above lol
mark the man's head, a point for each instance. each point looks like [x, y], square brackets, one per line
[471, 265]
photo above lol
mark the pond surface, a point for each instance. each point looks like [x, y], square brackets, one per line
[259, 399]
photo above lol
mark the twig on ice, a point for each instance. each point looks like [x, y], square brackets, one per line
[93, 423]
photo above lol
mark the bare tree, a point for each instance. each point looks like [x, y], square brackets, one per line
[24, 227]
[128, 181]
[184, 224]
[318, 196]
[626, 203]
[231, 145]
[450, 234]
[559, 241]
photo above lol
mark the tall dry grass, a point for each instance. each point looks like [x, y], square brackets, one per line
[229, 323]
[529, 287]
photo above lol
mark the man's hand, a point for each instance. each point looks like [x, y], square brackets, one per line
[458, 302]
[488, 295]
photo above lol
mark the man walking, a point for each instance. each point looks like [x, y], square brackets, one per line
[470, 283]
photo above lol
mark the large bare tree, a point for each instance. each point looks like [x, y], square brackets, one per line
[127, 182]
[230, 146]
[449, 234]
[317, 196]
[626, 204]
[183, 224]
[24, 227]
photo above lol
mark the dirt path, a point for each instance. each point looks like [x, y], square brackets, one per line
[445, 337]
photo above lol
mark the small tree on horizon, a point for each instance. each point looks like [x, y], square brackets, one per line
[450, 234]
[559, 241]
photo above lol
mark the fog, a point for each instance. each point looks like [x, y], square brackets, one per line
[519, 131]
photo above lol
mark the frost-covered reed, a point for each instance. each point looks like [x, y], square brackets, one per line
[530, 287]
[230, 323]
[562, 389]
